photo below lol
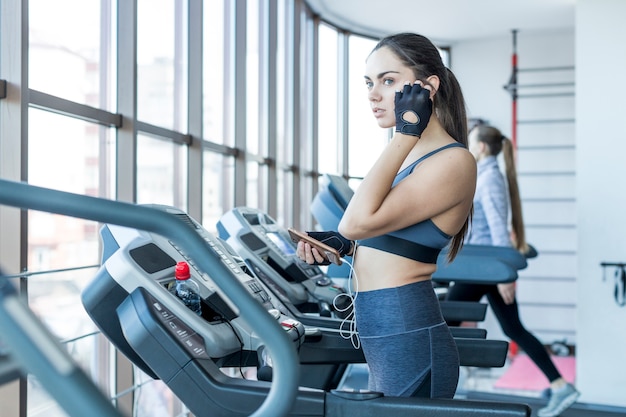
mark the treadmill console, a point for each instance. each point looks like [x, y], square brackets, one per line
[136, 280]
[269, 252]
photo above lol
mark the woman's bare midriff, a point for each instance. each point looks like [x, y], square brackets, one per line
[376, 269]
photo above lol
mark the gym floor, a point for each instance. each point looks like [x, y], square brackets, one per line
[479, 384]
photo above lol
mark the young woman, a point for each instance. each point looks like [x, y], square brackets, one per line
[490, 227]
[415, 200]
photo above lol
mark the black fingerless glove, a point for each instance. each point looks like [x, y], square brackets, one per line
[334, 240]
[413, 110]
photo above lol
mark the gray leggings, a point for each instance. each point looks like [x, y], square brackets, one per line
[407, 345]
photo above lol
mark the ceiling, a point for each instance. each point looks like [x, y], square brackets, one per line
[447, 21]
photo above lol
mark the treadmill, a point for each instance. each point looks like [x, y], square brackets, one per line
[28, 347]
[254, 236]
[267, 249]
[217, 339]
[130, 302]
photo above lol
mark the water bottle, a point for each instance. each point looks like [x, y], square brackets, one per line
[186, 289]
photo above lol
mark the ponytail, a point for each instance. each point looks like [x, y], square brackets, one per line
[517, 220]
[450, 108]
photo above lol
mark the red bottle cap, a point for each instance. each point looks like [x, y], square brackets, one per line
[182, 270]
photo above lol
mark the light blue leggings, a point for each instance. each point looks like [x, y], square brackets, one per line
[407, 345]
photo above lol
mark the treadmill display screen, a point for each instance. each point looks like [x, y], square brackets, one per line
[282, 244]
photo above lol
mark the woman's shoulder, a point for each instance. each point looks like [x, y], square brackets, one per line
[444, 159]
[451, 156]
[449, 148]
[459, 158]
[452, 167]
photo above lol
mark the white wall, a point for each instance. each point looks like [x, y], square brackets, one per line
[571, 176]
[601, 153]
[545, 161]
[483, 67]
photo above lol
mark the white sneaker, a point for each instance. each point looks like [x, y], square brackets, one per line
[560, 400]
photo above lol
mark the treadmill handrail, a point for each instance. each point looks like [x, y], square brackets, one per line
[33, 349]
[284, 388]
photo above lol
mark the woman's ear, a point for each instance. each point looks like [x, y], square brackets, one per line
[433, 81]
[484, 150]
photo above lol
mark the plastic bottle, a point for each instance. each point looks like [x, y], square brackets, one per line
[186, 289]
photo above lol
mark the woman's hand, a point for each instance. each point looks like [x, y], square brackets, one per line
[507, 292]
[413, 109]
[334, 240]
[309, 254]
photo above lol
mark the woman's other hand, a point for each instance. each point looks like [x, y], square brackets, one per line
[507, 292]
[413, 109]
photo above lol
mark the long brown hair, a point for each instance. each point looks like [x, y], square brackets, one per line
[496, 142]
[422, 56]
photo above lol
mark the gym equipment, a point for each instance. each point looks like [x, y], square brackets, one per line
[183, 349]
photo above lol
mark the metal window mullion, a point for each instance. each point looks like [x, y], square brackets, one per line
[14, 129]
[288, 165]
[261, 107]
[343, 103]
[105, 174]
[180, 102]
[296, 137]
[126, 150]
[163, 133]
[14, 161]
[195, 89]
[219, 148]
[126, 155]
[270, 98]
[238, 44]
[315, 154]
[44, 101]
[309, 110]
[228, 186]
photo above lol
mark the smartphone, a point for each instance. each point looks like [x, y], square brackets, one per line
[329, 253]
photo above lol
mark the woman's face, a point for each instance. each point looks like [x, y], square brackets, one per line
[476, 147]
[384, 75]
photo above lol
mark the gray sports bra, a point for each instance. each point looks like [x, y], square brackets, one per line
[422, 241]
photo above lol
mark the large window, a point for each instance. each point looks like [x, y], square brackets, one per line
[329, 93]
[366, 139]
[253, 76]
[70, 59]
[150, 102]
[67, 57]
[214, 79]
[161, 63]
[284, 111]
[161, 172]
[217, 192]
